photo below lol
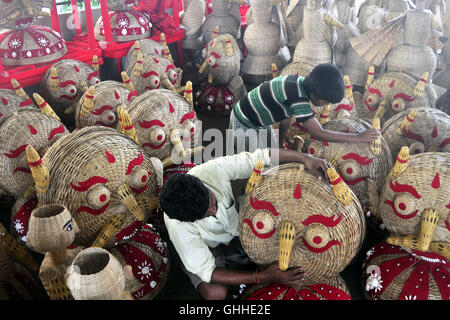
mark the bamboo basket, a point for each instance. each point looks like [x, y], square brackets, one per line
[412, 59]
[24, 126]
[428, 132]
[293, 196]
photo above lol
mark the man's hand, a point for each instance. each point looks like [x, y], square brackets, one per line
[317, 167]
[368, 135]
[291, 277]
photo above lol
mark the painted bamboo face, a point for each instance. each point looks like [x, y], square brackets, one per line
[64, 84]
[22, 128]
[98, 107]
[394, 92]
[98, 174]
[318, 222]
[421, 129]
[414, 202]
[164, 123]
[362, 167]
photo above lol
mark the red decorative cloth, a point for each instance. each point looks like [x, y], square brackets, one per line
[161, 20]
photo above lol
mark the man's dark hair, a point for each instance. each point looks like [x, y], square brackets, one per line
[184, 197]
[326, 82]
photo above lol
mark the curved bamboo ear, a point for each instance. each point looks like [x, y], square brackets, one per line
[407, 122]
[325, 114]
[215, 32]
[139, 66]
[126, 125]
[136, 49]
[340, 189]
[38, 170]
[228, 49]
[348, 90]
[256, 177]
[95, 63]
[18, 89]
[88, 103]
[188, 94]
[370, 76]
[274, 71]
[162, 39]
[402, 162]
[54, 79]
[332, 21]
[127, 81]
[167, 53]
[419, 90]
[45, 107]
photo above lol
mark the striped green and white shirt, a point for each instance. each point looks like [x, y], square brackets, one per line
[273, 101]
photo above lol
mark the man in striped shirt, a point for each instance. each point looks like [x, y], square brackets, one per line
[281, 98]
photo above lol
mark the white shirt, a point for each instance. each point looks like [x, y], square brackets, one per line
[192, 240]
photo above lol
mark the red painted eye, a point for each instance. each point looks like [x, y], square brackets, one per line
[398, 105]
[316, 149]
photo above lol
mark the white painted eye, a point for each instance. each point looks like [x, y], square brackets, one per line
[70, 90]
[154, 82]
[94, 80]
[263, 222]
[211, 60]
[138, 178]
[98, 197]
[373, 100]
[405, 204]
[157, 136]
[416, 148]
[350, 169]
[398, 105]
[189, 128]
[172, 75]
[317, 236]
[108, 117]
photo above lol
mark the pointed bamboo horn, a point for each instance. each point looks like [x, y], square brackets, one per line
[136, 49]
[127, 81]
[138, 67]
[167, 53]
[203, 66]
[274, 70]
[109, 230]
[381, 109]
[228, 49]
[188, 94]
[162, 39]
[419, 90]
[325, 114]
[402, 162]
[370, 76]
[408, 122]
[441, 248]
[256, 177]
[175, 140]
[332, 21]
[348, 90]
[375, 146]
[340, 189]
[18, 89]
[167, 84]
[126, 197]
[88, 103]
[95, 63]
[126, 124]
[38, 170]
[286, 243]
[54, 79]
[210, 77]
[45, 107]
[429, 222]
[215, 32]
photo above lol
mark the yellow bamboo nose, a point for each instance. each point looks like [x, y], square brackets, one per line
[88, 103]
[408, 122]
[430, 219]
[286, 243]
[126, 125]
[419, 90]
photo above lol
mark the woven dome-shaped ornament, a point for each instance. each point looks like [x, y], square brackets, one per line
[98, 105]
[362, 169]
[126, 25]
[334, 289]
[103, 178]
[318, 223]
[396, 92]
[394, 273]
[18, 129]
[146, 47]
[421, 129]
[64, 83]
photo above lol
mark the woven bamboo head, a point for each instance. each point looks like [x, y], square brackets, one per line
[425, 130]
[222, 59]
[288, 198]
[64, 84]
[99, 173]
[414, 201]
[100, 108]
[146, 47]
[51, 228]
[18, 129]
[10, 101]
[360, 168]
[396, 92]
[161, 118]
[95, 274]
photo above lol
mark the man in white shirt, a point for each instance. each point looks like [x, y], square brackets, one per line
[200, 216]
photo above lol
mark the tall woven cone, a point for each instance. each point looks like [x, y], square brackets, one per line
[274, 71]
[175, 140]
[215, 32]
[126, 197]
[95, 63]
[430, 219]
[45, 107]
[441, 248]
[325, 114]
[54, 80]
[375, 146]
[18, 89]
[402, 162]
[409, 241]
[88, 103]
[381, 109]
[127, 81]
[330, 20]
[109, 230]
[286, 242]
[16, 250]
[126, 124]
[370, 76]
[167, 53]
[168, 161]
[162, 39]
[167, 84]
[348, 90]
[138, 67]
[188, 94]
[255, 178]
[419, 90]
[407, 122]
[340, 189]
[38, 170]
[136, 49]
